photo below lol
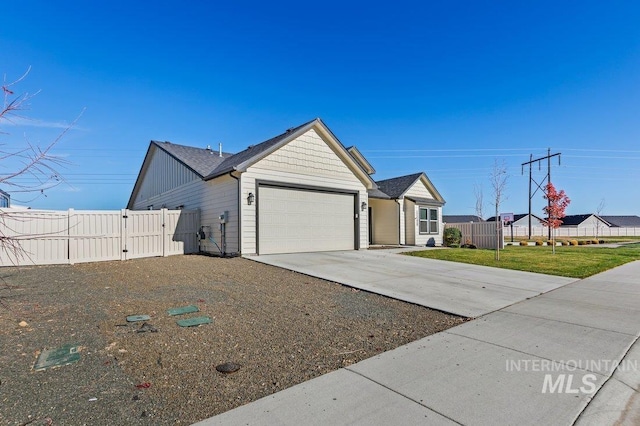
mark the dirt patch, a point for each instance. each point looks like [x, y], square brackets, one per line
[281, 328]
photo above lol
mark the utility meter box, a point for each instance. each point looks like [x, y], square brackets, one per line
[224, 217]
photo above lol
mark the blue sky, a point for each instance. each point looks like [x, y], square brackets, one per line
[441, 87]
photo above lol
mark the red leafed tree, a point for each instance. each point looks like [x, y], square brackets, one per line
[557, 203]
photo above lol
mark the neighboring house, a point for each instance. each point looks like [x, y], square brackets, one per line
[406, 210]
[580, 221]
[622, 221]
[461, 218]
[5, 199]
[300, 191]
[522, 221]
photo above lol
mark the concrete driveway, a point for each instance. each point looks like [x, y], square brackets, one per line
[457, 288]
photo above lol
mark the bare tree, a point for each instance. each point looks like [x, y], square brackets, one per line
[33, 161]
[599, 211]
[498, 179]
[478, 194]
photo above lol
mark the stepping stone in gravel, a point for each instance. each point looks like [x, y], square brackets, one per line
[56, 357]
[183, 310]
[190, 322]
[134, 318]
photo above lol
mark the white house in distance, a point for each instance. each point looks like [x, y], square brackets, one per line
[300, 191]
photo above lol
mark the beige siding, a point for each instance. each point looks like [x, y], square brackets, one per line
[307, 160]
[163, 174]
[212, 198]
[385, 221]
[418, 190]
[410, 222]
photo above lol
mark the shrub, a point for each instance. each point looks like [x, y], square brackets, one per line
[588, 242]
[594, 241]
[452, 236]
[601, 241]
[573, 242]
[469, 246]
[565, 242]
[582, 243]
[524, 243]
[539, 242]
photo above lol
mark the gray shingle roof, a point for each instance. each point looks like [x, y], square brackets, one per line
[395, 187]
[208, 164]
[461, 218]
[201, 161]
[623, 221]
[575, 219]
[376, 193]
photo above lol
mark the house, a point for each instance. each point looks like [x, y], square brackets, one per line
[522, 221]
[300, 191]
[5, 199]
[461, 218]
[406, 210]
[584, 221]
[622, 221]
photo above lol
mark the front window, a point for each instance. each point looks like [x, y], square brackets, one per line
[428, 221]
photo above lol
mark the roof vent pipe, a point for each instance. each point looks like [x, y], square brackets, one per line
[220, 149]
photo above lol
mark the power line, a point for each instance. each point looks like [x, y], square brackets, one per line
[548, 178]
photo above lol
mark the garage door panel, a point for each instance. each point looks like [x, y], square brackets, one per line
[293, 220]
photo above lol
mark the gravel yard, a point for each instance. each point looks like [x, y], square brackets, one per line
[281, 327]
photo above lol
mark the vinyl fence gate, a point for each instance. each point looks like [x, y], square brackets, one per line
[75, 236]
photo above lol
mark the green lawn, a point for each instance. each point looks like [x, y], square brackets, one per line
[573, 261]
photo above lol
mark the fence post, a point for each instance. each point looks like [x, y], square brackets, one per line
[72, 246]
[163, 217]
[123, 234]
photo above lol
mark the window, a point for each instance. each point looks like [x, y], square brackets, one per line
[428, 221]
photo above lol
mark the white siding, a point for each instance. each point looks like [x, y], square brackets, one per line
[163, 174]
[307, 160]
[422, 239]
[385, 221]
[212, 198]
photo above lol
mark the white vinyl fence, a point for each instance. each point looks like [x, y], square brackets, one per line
[74, 236]
[564, 232]
[482, 234]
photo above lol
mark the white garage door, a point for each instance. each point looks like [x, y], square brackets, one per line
[291, 221]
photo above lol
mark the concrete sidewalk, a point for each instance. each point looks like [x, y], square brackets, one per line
[490, 371]
[457, 288]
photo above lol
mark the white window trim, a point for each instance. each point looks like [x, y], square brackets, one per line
[428, 221]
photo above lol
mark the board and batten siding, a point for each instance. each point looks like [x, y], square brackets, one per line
[386, 226]
[163, 174]
[306, 160]
[212, 198]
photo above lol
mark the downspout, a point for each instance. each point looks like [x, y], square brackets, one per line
[239, 213]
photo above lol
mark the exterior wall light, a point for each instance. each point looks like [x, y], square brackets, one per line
[363, 206]
[250, 198]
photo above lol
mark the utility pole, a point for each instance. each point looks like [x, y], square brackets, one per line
[547, 178]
